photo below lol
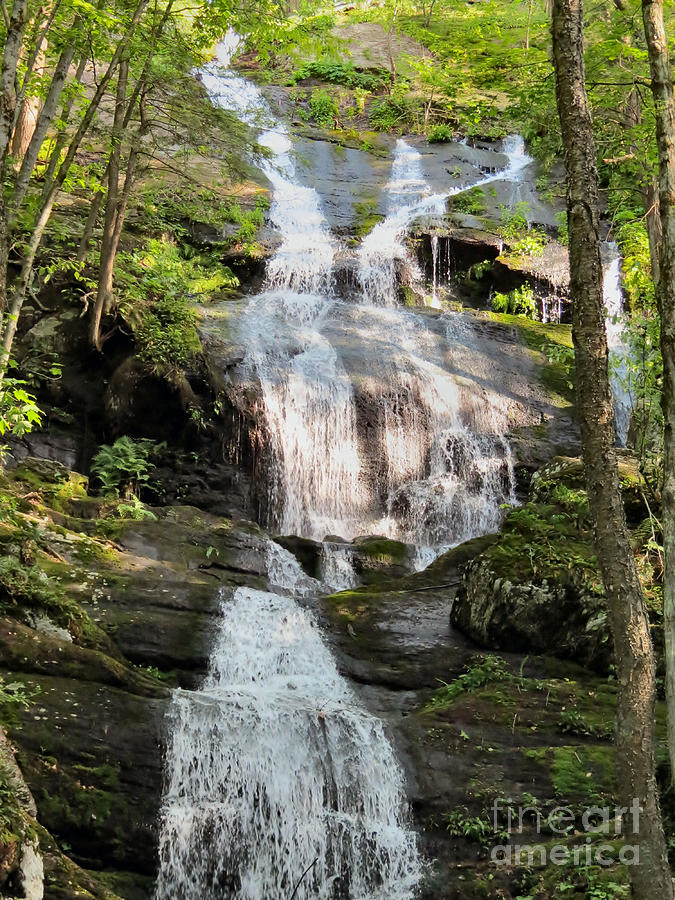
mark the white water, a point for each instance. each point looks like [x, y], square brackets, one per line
[337, 567]
[277, 779]
[273, 765]
[409, 198]
[618, 350]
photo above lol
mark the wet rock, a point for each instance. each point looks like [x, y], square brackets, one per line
[377, 558]
[306, 551]
[562, 618]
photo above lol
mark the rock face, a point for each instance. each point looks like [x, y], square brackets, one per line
[537, 589]
[97, 647]
[559, 617]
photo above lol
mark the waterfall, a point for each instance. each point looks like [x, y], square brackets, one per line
[275, 769]
[337, 566]
[409, 198]
[315, 483]
[618, 350]
[434, 264]
[436, 467]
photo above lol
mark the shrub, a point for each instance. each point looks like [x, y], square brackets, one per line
[471, 201]
[123, 466]
[324, 108]
[439, 134]
[158, 285]
[19, 412]
[514, 220]
[395, 112]
[519, 302]
[166, 336]
[344, 74]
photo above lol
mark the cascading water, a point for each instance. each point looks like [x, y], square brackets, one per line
[408, 199]
[274, 770]
[618, 350]
[315, 482]
[279, 783]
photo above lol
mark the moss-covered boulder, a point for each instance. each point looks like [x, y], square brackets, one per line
[537, 588]
[377, 558]
[565, 616]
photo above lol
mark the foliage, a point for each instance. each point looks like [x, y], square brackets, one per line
[439, 133]
[573, 722]
[397, 112]
[344, 74]
[547, 540]
[471, 201]
[324, 108]
[480, 830]
[15, 693]
[515, 226]
[515, 220]
[123, 466]
[19, 412]
[489, 668]
[520, 301]
[159, 284]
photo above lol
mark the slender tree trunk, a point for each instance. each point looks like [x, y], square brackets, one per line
[652, 206]
[25, 127]
[62, 137]
[10, 61]
[21, 287]
[37, 40]
[45, 118]
[105, 275]
[116, 204]
[651, 879]
[530, 10]
[662, 89]
[89, 226]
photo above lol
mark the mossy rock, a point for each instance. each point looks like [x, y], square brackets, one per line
[57, 485]
[537, 588]
[570, 472]
[378, 558]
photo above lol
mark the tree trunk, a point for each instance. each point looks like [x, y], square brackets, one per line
[104, 292]
[662, 89]
[45, 118]
[10, 60]
[651, 879]
[25, 126]
[62, 138]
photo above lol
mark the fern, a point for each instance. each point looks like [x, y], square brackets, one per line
[124, 465]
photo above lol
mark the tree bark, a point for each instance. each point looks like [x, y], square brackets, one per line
[62, 137]
[105, 276]
[651, 879]
[45, 118]
[10, 61]
[662, 89]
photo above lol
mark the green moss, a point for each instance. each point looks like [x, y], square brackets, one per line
[383, 550]
[538, 336]
[578, 773]
[543, 541]
[366, 217]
